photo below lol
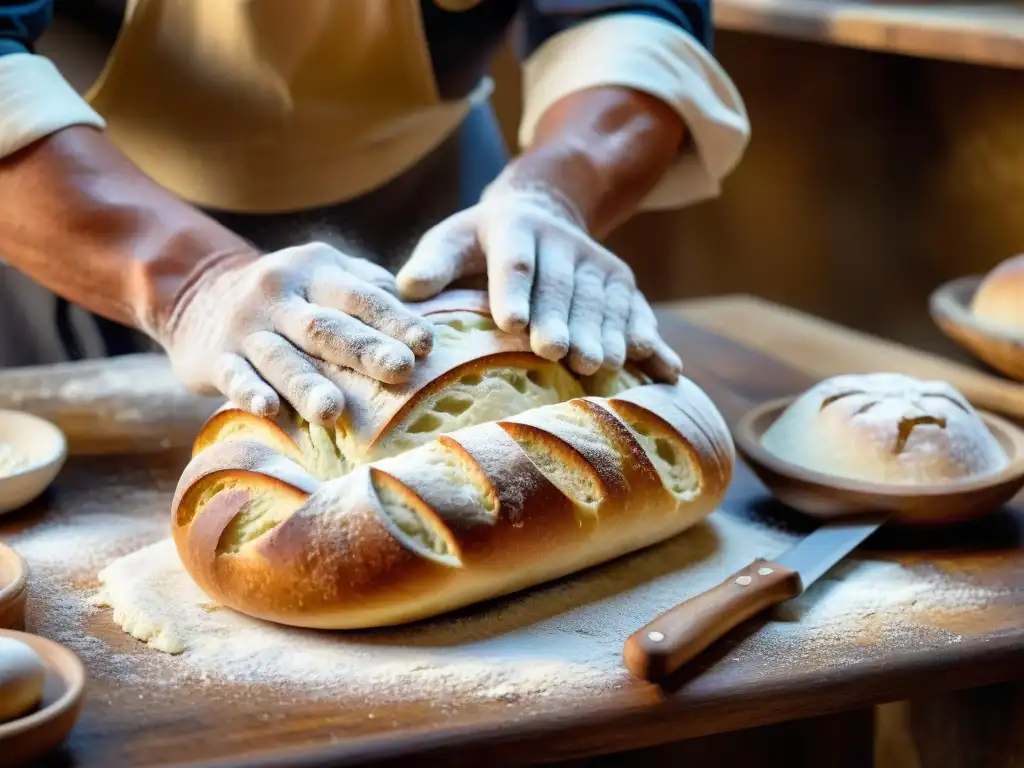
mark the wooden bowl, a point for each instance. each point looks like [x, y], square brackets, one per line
[13, 588]
[950, 307]
[44, 447]
[31, 737]
[827, 496]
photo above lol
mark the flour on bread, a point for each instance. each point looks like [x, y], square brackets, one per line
[886, 427]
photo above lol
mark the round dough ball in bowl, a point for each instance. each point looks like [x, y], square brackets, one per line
[886, 428]
[985, 315]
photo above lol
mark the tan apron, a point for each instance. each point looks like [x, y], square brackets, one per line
[217, 112]
[273, 105]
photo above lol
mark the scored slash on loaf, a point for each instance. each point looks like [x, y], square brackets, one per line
[494, 470]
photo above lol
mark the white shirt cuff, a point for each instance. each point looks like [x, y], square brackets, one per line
[653, 56]
[35, 101]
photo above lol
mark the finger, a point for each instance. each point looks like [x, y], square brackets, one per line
[586, 351]
[552, 299]
[240, 383]
[378, 309]
[343, 340]
[444, 254]
[663, 364]
[642, 334]
[511, 260]
[293, 374]
[618, 295]
[371, 273]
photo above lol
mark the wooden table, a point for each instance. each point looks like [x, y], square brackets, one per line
[136, 721]
[988, 33]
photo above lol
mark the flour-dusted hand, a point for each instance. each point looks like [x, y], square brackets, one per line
[263, 326]
[544, 269]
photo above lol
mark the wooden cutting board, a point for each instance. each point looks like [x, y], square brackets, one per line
[820, 348]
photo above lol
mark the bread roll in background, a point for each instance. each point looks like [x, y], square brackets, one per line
[999, 300]
[886, 428]
[491, 471]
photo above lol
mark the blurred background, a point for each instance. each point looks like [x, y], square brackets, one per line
[873, 175]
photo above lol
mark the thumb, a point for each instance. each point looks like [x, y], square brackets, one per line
[444, 254]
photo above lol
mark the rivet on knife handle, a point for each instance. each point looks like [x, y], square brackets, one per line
[681, 633]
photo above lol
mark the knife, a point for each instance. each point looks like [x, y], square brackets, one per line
[678, 635]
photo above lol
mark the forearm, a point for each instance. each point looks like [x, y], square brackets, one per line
[82, 220]
[604, 149]
[640, 72]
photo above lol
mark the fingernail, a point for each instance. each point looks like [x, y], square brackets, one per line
[392, 368]
[420, 340]
[613, 362]
[585, 364]
[415, 287]
[325, 405]
[514, 323]
[551, 350]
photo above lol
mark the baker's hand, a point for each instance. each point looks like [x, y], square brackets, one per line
[544, 269]
[261, 326]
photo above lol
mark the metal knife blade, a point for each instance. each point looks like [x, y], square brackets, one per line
[815, 554]
[676, 636]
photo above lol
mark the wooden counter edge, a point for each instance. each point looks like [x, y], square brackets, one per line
[978, 33]
[812, 345]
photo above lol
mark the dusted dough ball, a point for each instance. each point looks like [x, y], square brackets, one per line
[886, 428]
[22, 673]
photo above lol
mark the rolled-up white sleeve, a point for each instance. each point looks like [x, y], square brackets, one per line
[35, 101]
[655, 57]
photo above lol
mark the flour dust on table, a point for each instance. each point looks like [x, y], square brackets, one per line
[549, 644]
[562, 639]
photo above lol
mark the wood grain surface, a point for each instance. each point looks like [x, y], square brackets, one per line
[990, 33]
[132, 719]
[818, 348]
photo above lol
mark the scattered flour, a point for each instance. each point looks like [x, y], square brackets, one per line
[554, 642]
[562, 638]
[11, 461]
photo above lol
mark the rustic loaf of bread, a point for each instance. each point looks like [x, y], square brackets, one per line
[886, 428]
[474, 374]
[999, 300]
[493, 470]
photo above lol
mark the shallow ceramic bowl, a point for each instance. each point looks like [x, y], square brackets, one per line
[33, 736]
[950, 307]
[13, 588]
[45, 448]
[827, 496]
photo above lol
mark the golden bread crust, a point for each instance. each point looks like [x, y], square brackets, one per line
[339, 557]
[382, 521]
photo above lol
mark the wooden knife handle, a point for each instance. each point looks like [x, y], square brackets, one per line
[679, 634]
